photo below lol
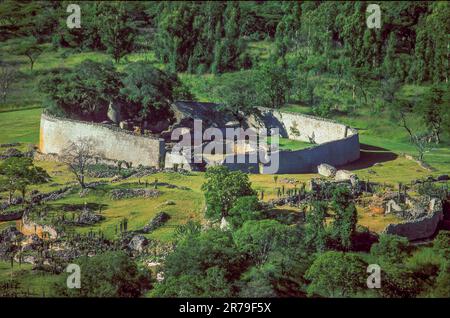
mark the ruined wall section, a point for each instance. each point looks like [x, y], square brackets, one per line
[114, 143]
[336, 143]
[302, 127]
[420, 228]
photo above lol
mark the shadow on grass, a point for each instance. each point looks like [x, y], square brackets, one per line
[285, 216]
[369, 156]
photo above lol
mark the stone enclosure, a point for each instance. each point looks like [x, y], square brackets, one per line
[331, 143]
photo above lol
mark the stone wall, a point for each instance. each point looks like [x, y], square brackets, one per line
[302, 127]
[336, 153]
[336, 144]
[112, 142]
[420, 228]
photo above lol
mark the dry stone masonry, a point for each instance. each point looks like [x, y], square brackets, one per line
[331, 143]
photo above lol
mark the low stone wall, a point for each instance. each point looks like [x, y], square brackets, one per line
[420, 228]
[112, 143]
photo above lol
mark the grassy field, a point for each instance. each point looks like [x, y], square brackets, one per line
[382, 142]
[34, 283]
[391, 168]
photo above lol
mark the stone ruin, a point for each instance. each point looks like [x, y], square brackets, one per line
[422, 223]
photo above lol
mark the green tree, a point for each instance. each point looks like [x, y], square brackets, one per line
[118, 32]
[434, 110]
[336, 274]
[244, 209]
[211, 284]
[316, 235]
[196, 254]
[237, 95]
[391, 248]
[84, 92]
[345, 217]
[149, 92]
[274, 85]
[16, 174]
[222, 188]
[258, 238]
[30, 49]
[110, 274]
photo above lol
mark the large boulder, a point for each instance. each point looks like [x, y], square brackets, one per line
[344, 175]
[114, 112]
[138, 243]
[326, 170]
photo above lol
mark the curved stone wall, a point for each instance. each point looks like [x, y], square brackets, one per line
[112, 142]
[336, 143]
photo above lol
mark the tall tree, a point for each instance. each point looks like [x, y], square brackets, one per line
[118, 31]
[222, 188]
[345, 217]
[17, 173]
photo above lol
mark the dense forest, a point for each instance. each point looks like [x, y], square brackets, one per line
[316, 57]
[309, 42]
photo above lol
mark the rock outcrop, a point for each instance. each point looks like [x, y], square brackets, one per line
[326, 170]
[157, 221]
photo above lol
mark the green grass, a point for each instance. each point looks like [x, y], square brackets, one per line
[20, 126]
[289, 144]
[38, 284]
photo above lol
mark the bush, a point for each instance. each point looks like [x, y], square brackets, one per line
[111, 274]
[391, 248]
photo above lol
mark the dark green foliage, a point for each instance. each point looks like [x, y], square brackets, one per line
[391, 248]
[211, 284]
[435, 110]
[336, 274]
[345, 217]
[117, 30]
[222, 188]
[238, 95]
[148, 91]
[244, 209]
[274, 85]
[200, 252]
[84, 92]
[316, 235]
[441, 243]
[258, 239]
[111, 274]
[200, 37]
